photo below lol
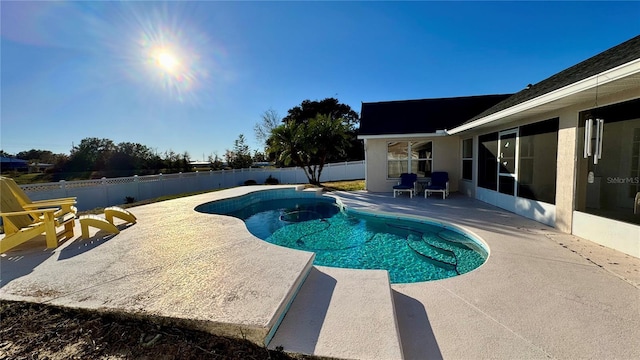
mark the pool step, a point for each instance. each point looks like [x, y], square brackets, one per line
[433, 253]
[342, 313]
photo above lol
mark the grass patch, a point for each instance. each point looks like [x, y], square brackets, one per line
[350, 185]
[34, 178]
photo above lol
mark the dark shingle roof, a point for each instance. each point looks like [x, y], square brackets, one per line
[4, 159]
[609, 59]
[422, 116]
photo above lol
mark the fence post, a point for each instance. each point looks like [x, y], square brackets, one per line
[63, 186]
[105, 192]
[137, 183]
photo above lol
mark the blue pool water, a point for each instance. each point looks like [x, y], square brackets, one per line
[410, 250]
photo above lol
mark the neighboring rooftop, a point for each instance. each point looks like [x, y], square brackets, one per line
[424, 116]
[609, 59]
[12, 160]
[9, 163]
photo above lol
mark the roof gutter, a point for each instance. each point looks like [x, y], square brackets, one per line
[438, 133]
[600, 79]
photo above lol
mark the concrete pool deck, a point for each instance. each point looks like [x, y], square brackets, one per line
[541, 294]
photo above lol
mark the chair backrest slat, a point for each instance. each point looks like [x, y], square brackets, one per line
[21, 196]
[9, 203]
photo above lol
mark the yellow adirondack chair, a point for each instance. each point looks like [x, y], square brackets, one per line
[65, 204]
[22, 224]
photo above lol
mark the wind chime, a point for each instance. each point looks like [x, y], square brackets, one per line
[593, 148]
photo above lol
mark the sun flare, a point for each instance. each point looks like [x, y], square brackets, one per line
[167, 60]
[175, 61]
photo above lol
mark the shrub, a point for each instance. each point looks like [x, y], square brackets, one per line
[250, 182]
[271, 181]
[129, 200]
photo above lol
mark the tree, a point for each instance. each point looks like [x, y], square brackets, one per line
[330, 107]
[215, 162]
[44, 157]
[259, 156]
[285, 144]
[309, 144]
[33, 155]
[131, 158]
[270, 120]
[240, 156]
[185, 162]
[92, 154]
[171, 161]
[354, 149]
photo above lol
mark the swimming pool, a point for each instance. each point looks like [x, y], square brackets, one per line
[411, 250]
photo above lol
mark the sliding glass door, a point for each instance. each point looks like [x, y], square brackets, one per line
[608, 177]
[521, 162]
[507, 161]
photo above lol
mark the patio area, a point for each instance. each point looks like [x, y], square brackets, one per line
[541, 293]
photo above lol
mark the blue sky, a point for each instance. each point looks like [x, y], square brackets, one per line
[192, 76]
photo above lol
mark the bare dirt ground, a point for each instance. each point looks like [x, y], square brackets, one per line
[37, 331]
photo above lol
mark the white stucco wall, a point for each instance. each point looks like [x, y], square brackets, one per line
[446, 157]
[614, 234]
[604, 231]
[562, 215]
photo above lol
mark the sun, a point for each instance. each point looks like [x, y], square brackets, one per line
[174, 61]
[167, 60]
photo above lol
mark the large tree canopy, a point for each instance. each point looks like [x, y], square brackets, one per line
[309, 144]
[91, 154]
[102, 155]
[330, 107]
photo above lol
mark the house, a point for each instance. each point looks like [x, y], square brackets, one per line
[394, 129]
[564, 151]
[39, 167]
[10, 164]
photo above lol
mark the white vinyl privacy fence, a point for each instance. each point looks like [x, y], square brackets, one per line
[107, 192]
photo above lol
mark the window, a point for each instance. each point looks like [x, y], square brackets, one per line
[537, 167]
[421, 158]
[399, 161]
[608, 188]
[397, 158]
[467, 159]
[634, 177]
[488, 161]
